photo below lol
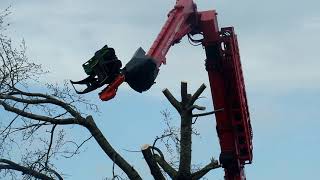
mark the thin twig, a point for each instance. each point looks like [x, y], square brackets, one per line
[161, 137]
[50, 145]
[207, 113]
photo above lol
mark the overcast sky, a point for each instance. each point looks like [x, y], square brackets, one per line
[280, 55]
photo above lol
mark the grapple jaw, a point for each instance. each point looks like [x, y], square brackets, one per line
[102, 69]
[91, 83]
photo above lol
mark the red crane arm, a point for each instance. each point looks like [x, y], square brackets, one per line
[225, 77]
[177, 26]
[228, 92]
[179, 23]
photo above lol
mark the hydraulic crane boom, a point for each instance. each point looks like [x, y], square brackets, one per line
[225, 76]
[177, 26]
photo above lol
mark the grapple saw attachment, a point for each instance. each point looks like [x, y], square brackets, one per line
[102, 68]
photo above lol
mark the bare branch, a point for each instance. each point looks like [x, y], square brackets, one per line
[48, 100]
[166, 167]
[29, 126]
[172, 100]
[7, 164]
[170, 140]
[208, 113]
[50, 145]
[161, 137]
[158, 150]
[184, 92]
[196, 95]
[55, 173]
[78, 147]
[109, 150]
[212, 165]
[40, 117]
[17, 115]
[153, 166]
[200, 108]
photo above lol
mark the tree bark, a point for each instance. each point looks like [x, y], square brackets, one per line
[152, 163]
[185, 108]
[185, 134]
[7, 164]
[166, 167]
[108, 149]
[185, 146]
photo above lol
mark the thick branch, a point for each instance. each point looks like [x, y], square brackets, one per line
[48, 100]
[55, 173]
[166, 167]
[88, 123]
[200, 108]
[11, 165]
[199, 174]
[184, 92]
[40, 117]
[196, 94]
[108, 149]
[152, 163]
[172, 100]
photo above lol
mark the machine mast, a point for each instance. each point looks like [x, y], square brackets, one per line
[225, 76]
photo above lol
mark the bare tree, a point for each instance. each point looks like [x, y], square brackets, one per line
[36, 118]
[182, 139]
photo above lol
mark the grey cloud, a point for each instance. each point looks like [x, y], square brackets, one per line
[278, 39]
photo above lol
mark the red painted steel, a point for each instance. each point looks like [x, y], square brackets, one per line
[111, 90]
[225, 76]
[228, 92]
[173, 30]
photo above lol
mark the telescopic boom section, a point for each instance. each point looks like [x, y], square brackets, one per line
[141, 71]
[177, 26]
[228, 92]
